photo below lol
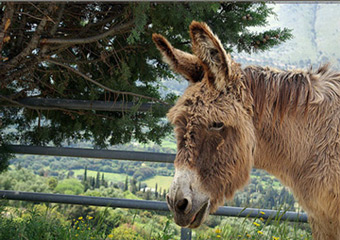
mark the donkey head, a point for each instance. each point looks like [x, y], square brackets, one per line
[213, 125]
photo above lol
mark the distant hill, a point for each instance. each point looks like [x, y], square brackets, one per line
[316, 31]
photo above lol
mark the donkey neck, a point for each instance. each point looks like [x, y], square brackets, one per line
[290, 110]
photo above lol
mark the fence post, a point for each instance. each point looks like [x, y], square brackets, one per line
[185, 234]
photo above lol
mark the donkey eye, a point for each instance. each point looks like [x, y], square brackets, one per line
[217, 126]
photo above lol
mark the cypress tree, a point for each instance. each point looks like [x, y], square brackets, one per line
[97, 185]
[126, 186]
[85, 174]
[92, 182]
[156, 193]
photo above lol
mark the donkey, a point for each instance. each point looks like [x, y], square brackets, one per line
[231, 119]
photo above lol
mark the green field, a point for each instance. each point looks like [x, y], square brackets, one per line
[169, 144]
[112, 177]
[162, 181]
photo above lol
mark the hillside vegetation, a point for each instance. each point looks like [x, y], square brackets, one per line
[24, 220]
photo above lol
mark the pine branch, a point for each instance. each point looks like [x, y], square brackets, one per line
[102, 86]
[91, 39]
[31, 45]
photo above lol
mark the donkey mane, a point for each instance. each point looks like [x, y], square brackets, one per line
[288, 91]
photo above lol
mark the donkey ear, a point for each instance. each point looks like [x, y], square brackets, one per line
[186, 64]
[208, 48]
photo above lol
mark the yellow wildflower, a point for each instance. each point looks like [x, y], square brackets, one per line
[248, 235]
[218, 236]
[218, 230]
[90, 217]
[259, 232]
[89, 228]
[77, 235]
[256, 224]
[261, 219]
[110, 236]
[78, 228]
[276, 238]
[76, 222]
[80, 218]
[262, 213]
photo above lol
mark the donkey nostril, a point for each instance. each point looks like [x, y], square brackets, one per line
[182, 205]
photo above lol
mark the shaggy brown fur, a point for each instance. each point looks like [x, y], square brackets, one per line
[286, 122]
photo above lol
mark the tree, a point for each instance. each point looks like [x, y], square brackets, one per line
[85, 174]
[5, 155]
[70, 174]
[103, 51]
[97, 184]
[52, 182]
[156, 190]
[139, 185]
[126, 186]
[159, 194]
[92, 182]
[103, 182]
[133, 185]
[69, 186]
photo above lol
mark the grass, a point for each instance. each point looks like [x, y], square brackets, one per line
[258, 228]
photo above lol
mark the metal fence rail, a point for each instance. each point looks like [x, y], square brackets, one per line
[93, 153]
[146, 205]
[110, 106]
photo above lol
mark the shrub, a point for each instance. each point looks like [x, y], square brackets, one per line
[69, 186]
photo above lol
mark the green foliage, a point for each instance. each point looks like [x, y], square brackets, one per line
[125, 232]
[5, 155]
[23, 180]
[69, 186]
[32, 224]
[144, 173]
[52, 183]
